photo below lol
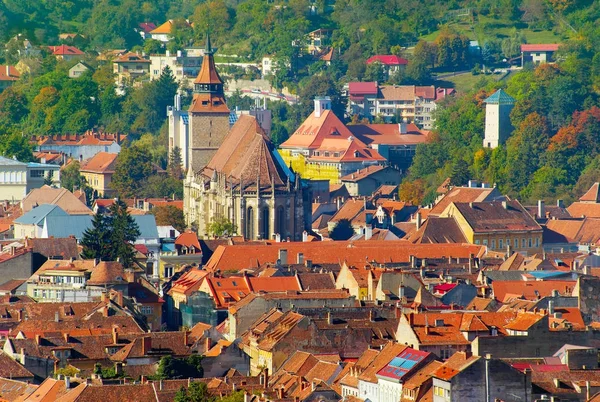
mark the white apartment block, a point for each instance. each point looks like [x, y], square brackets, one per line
[184, 65]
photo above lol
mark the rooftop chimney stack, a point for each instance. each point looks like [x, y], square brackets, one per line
[321, 105]
[283, 256]
[418, 220]
[541, 209]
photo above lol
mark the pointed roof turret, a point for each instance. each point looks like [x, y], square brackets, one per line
[208, 86]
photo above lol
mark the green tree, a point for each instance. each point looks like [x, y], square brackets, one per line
[221, 226]
[169, 215]
[133, 168]
[342, 230]
[172, 368]
[111, 235]
[174, 168]
[321, 85]
[460, 173]
[196, 392]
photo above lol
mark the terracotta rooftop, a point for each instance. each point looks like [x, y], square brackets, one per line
[355, 253]
[65, 50]
[494, 216]
[107, 273]
[389, 134]
[9, 73]
[246, 156]
[314, 130]
[454, 365]
[584, 209]
[465, 194]
[102, 162]
[548, 47]
[55, 196]
[438, 230]
[388, 60]
[131, 57]
[530, 290]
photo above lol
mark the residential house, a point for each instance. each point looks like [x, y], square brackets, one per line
[17, 179]
[186, 251]
[318, 41]
[277, 334]
[98, 172]
[464, 377]
[396, 103]
[66, 52]
[144, 29]
[52, 249]
[182, 64]
[397, 143]
[60, 197]
[129, 68]
[8, 76]
[362, 98]
[538, 53]
[471, 193]
[162, 33]
[365, 181]
[78, 70]
[181, 289]
[246, 311]
[497, 225]
[391, 63]
[31, 224]
[79, 146]
[215, 295]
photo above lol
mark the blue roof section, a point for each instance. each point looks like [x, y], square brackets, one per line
[10, 162]
[75, 225]
[167, 247]
[147, 226]
[233, 117]
[36, 215]
[402, 364]
[548, 274]
[65, 226]
[46, 166]
[185, 118]
[500, 98]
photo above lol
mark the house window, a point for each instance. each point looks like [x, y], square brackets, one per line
[493, 244]
[168, 272]
[537, 241]
[523, 244]
[530, 241]
[516, 243]
[147, 310]
[500, 244]
[485, 242]
[37, 173]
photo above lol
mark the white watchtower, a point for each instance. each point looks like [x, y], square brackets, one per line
[497, 119]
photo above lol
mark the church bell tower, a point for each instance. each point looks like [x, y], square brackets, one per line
[208, 113]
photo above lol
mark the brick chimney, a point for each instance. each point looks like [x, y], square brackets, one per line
[115, 335]
[38, 339]
[207, 344]
[146, 345]
[66, 337]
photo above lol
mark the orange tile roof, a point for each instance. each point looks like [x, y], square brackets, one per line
[563, 315]
[131, 57]
[496, 216]
[314, 130]
[188, 239]
[389, 134]
[524, 321]
[189, 282]
[464, 194]
[13, 73]
[107, 272]
[344, 150]
[227, 291]
[454, 365]
[102, 162]
[65, 50]
[164, 28]
[592, 195]
[208, 103]
[56, 196]
[531, 290]
[208, 72]
[587, 209]
[389, 351]
[355, 253]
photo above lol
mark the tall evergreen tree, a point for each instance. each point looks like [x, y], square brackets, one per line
[95, 240]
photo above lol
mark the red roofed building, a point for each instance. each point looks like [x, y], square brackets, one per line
[396, 102]
[391, 63]
[8, 75]
[324, 148]
[538, 53]
[65, 52]
[98, 172]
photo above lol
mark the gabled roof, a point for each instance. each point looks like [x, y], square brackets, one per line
[389, 134]
[315, 129]
[466, 194]
[400, 366]
[345, 150]
[388, 60]
[246, 155]
[37, 215]
[497, 216]
[438, 230]
[362, 88]
[102, 162]
[454, 365]
[56, 196]
[188, 239]
[107, 273]
[9, 73]
[592, 195]
[530, 290]
[541, 47]
[65, 50]
[131, 57]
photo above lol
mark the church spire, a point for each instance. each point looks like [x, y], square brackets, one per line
[208, 79]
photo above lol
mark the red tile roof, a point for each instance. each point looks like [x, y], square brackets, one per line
[388, 60]
[8, 73]
[464, 194]
[549, 47]
[530, 290]
[454, 365]
[345, 150]
[189, 282]
[188, 239]
[362, 88]
[389, 134]
[241, 256]
[65, 50]
[592, 195]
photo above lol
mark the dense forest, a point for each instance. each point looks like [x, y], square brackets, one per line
[552, 152]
